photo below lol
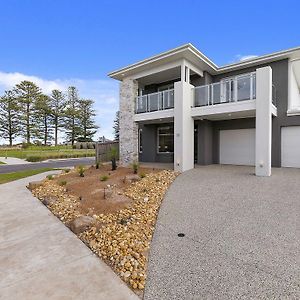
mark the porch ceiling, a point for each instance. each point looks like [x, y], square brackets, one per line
[157, 121]
[163, 76]
[227, 116]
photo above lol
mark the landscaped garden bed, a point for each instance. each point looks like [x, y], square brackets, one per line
[113, 212]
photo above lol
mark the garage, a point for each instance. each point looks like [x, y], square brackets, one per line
[290, 146]
[237, 147]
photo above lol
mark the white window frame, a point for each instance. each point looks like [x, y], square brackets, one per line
[157, 150]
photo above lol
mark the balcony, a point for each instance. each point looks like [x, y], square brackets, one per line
[155, 102]
[238, 88]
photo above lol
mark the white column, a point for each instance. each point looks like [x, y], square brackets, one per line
[263, 127]
[183, 127]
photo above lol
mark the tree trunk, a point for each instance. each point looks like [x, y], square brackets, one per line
[46, 131]
[28, 124]
[56, 131]
[10, 129]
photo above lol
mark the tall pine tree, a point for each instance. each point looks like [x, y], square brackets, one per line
[71, 115]
[117, 126]
[58, 104]
[27, 93]
[43, 119]
[9, 117]
[87, 125]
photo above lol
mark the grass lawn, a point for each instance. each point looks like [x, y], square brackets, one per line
[40, 153]
[21, 174]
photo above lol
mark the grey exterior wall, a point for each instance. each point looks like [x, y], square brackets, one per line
[149, 137]
[280, 80]
[209, 137]
[208, 131]
[204, 142]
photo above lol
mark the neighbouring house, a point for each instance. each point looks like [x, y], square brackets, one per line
[103, 139]
[179, 107]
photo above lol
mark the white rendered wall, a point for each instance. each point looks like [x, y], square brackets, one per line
[263, 135]
[183, 127]
[294, 93]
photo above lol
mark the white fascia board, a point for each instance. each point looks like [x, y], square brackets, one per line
[179, 51]
[260, 59]
[292, 53]
[224, 108]
[154, 115]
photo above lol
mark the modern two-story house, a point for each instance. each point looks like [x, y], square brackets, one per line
[179, 107]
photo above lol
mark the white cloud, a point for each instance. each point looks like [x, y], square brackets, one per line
[240, 57]
[103, 92]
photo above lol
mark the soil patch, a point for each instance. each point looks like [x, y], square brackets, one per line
[93, 193]
[114, 217]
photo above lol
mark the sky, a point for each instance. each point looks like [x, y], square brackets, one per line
[78, 42]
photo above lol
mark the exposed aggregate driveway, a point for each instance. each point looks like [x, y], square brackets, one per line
[242, 236]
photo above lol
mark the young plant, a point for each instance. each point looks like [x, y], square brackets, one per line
[135, 167]
[50, 177]
[142, 175]
[113, 158]
[66, 170]
[62, 183]
[103, 178]
[81, 171]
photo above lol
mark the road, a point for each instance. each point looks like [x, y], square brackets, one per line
[61, 163]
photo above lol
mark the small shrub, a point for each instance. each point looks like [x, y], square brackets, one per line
[34, 158]
[66, 170]
[103, 178]
[142, 175]
[49, 177]
[135, 167]
[25, 145]
[113, 158]
[62, 183]
[81, 171]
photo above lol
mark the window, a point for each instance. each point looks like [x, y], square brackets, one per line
[140, 140]
[165, 139]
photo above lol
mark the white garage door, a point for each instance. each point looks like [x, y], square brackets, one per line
[290, 146]
[237, 147]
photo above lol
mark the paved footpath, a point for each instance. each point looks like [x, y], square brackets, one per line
[40, 258]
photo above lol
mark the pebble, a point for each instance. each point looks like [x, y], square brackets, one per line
[123, 245]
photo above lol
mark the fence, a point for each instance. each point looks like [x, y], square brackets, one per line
[103, 150]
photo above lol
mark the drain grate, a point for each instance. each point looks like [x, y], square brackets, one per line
[181, 234]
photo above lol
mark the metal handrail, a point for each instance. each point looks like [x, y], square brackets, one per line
[226, 91]
[155, 101]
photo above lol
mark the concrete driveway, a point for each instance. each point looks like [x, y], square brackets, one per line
[242, 236]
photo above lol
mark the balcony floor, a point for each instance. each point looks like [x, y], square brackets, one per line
[241, 109]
